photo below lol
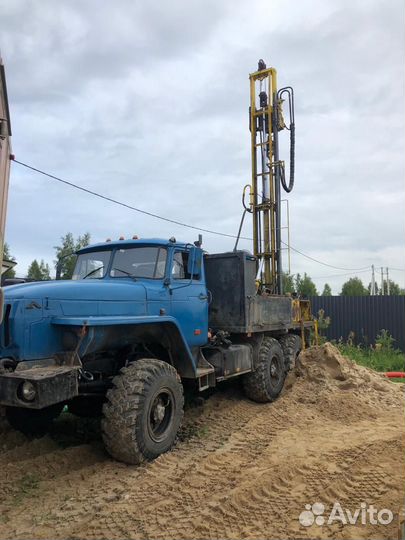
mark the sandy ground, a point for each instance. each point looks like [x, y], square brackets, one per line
[239, 469]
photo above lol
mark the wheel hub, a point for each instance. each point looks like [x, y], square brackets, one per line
[159, 412]
[161, 415]
[275, 374]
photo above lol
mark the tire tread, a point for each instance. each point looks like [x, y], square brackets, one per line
[255, 383]
[291, 344]
[125, 400]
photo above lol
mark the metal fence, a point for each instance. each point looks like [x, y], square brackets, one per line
[366, 316]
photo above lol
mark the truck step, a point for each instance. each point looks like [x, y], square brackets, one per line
[206, 377]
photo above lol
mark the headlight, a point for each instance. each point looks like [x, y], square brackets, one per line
[28, 391]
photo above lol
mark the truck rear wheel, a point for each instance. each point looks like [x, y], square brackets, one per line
[266, 382]
[143, 411]
[34, 422]
[291, 345]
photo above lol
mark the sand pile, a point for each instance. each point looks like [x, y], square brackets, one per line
[326, 365]
[339, 387]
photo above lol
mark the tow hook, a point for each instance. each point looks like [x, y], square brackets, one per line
[86, 375]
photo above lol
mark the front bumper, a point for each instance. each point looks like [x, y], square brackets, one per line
[53, 384]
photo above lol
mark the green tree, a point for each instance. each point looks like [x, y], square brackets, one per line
[304, 286]
[39, 271]
[327, 291]
[8, 257]
[354, 287]
[288, 283]
[65, 253]
[395, 289]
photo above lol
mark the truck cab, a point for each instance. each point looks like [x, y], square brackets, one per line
[139, 319]
[162, 278]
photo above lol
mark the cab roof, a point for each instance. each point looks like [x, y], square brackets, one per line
[113, 244]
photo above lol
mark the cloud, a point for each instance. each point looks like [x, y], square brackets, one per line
[148, 104]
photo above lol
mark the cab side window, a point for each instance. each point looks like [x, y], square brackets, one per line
[179, 267]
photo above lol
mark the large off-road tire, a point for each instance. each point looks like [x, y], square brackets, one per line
[143, 411]
[33, 422]
[291, 345]
[266, 382]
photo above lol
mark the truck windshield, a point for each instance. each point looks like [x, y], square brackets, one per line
[139, 262]
[92, 265]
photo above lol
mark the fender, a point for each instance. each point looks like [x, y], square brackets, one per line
[103, 332]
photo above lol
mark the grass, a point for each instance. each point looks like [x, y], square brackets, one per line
[382, 356]
[378, 359]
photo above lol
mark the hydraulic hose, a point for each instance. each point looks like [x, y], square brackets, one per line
[395, 374]
[289, 91]
[290, 186]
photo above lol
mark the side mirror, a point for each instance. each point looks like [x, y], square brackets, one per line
[166, 282]
[194, 263]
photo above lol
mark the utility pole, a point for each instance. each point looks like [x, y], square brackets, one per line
[388, 282]
[372, 292]
[382, 280]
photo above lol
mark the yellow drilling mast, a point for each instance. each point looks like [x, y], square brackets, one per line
[268, 172]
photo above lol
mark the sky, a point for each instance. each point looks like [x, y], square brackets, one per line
[147, 103]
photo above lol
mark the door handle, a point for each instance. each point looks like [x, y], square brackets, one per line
[202, 296]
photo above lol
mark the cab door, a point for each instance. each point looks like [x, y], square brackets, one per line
[189, 298]
[157, 292]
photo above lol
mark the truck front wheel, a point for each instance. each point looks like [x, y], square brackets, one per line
[143, 411]
[266, 382]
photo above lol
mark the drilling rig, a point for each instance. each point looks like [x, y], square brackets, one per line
[268, 171]
[266, 120]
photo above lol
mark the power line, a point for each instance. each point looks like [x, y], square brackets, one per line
[325, 264]
[169, 220]
[110, 199]
[341, 275]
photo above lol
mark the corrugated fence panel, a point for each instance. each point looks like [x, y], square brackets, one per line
[366, 316]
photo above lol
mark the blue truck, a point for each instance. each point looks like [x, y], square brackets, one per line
[140, 319]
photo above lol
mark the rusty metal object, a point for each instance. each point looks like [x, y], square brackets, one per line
[52, 384]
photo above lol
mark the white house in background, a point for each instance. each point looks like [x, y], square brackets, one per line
[6, 265]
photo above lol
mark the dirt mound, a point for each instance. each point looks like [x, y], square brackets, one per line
[339, 388]
[326, 366]
[239, 470]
